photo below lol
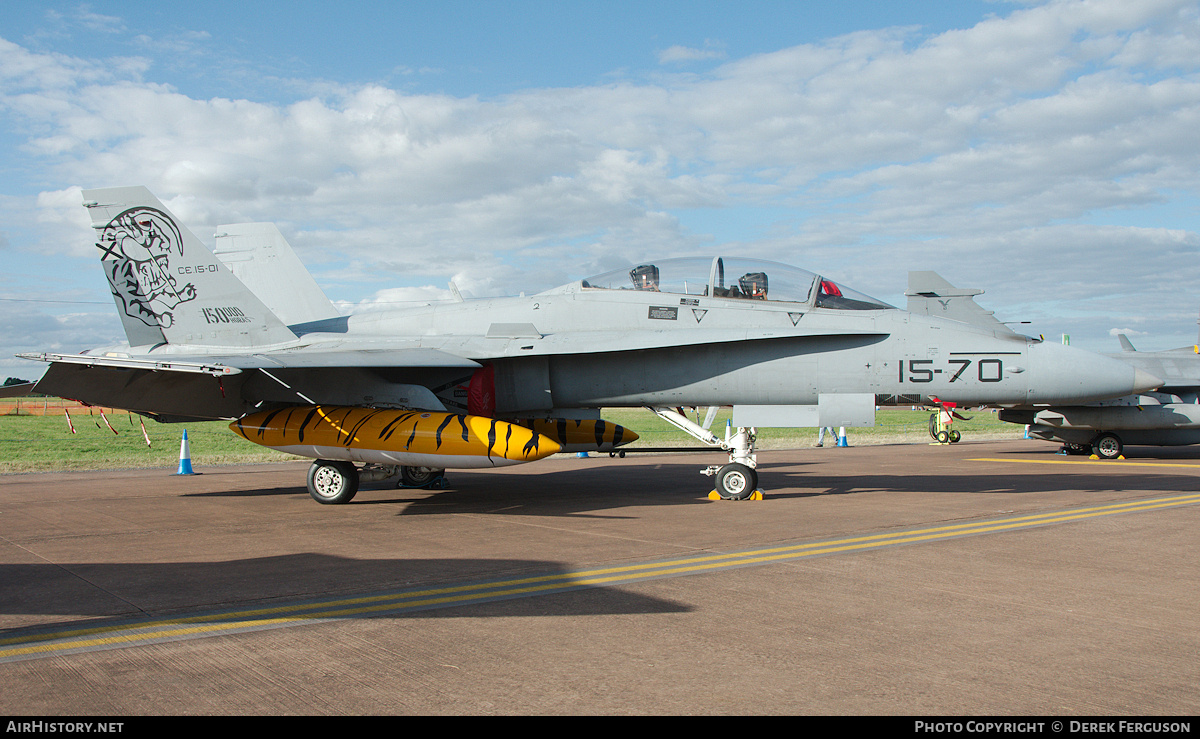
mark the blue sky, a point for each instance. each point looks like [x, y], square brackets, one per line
[462, 48]
[1044, 152]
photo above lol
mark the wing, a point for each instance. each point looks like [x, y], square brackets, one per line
[182, 387]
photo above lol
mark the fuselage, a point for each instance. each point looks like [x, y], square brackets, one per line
[586, 347]
[583, 347]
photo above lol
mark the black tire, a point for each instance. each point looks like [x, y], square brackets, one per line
[1107, 446]
[1077, 449]
[332, 483]
[933, 425]
[736, 482]
[943, 437]
[419, 477]
[955, 437]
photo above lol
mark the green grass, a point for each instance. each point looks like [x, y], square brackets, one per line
[892, 425]
[45, 443]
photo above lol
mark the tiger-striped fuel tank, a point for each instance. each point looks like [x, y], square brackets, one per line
[586, 435]
[383, 436]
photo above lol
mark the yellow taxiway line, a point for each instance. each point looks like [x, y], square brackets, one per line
[30, 643]
[1115, 463]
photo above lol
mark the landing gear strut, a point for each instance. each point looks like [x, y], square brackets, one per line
[737, 480]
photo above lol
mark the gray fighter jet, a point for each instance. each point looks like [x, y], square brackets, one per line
[1168, 417]
[480, 383]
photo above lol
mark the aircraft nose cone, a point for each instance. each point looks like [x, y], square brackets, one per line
[1144, 382]
[1066, 374]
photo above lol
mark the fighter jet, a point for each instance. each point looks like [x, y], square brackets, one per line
[489, 382]
[1168, 417]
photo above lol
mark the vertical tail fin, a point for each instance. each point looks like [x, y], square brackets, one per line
[167, 285]
[262, 259]
[931, 295]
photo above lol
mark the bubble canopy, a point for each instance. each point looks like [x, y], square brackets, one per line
[735, 278]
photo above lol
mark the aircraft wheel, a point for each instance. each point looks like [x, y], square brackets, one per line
[332, 483]
[736, 481]
[955, 437]
[943, 437]
[1107, 446]
[419, 477]
[1077, 449]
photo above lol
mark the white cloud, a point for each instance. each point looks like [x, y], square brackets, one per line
[83, 16]
[1018, 151]
[681, 54]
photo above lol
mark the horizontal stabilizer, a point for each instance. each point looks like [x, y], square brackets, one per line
[16, 391]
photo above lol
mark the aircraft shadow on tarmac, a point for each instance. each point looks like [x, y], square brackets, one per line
[602, 492]
[816, 485]
[135, 590]
[550, 493]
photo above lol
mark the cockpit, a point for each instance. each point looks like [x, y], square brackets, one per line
[735, 278]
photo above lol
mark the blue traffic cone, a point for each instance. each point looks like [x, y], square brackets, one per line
[842, 436]
[185, 457]
[582, 455]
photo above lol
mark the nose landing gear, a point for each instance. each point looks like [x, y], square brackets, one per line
[737, 480]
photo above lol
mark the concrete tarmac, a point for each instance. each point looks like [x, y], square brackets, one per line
[980, 578]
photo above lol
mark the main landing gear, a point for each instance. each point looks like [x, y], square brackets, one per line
[737, 480]
[422, 477]
[1107, 446]
[332, 483]
[1078, 450]
[336, 482]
